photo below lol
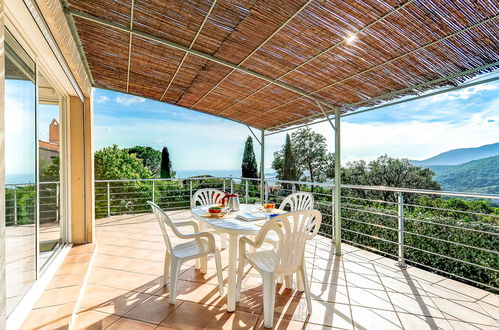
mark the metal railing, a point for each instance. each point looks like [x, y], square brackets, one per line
[20, 203]
[452, 233]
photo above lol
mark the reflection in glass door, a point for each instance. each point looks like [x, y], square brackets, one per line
[20, 172]
[49, 151]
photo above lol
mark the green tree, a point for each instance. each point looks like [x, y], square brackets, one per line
[389, 172]
[166, 164]
[113, 163]
[285, 162]
[248, 165]
[150, 156]
[49, 170]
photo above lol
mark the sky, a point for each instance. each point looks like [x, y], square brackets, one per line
[415, 130]
[197, 141]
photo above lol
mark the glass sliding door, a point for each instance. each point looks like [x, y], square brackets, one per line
[49, 152]
[21, 172]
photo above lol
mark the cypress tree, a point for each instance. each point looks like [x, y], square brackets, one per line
[166, 164]
[248, 166]
[289, 167]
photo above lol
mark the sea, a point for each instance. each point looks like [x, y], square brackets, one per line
[269, 173]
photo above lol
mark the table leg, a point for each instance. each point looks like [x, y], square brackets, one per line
[203, 261]
[231, 294]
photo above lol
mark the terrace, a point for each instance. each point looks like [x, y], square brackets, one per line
[381, 259]
[117, 283]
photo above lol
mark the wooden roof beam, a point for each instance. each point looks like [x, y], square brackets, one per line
[130, 46]
[177, 46]
[336, 45]
[383, 64]
[253, 52]
[395, 93]
[190, 47]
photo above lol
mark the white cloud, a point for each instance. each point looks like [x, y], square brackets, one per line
[127, 100]
[102, 99]
[466, 93]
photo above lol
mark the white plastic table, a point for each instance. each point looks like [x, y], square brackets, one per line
[234, 228]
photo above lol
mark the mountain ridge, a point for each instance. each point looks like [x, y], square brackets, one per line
[481, 176]
[460, 156]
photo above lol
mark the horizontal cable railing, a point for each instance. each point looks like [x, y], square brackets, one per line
[21, 203]
[452, 233]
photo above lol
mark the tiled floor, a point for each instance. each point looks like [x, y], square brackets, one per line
[359, 290]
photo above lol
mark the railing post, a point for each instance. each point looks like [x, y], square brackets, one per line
[266, 192]
[293, 188]
[190, 192]
[108, 200]
[153, 192]
[223, 185]
[246, 192]
[57, 205]
[231, 185]
[15, 206]
[332, 215]
[400, 204]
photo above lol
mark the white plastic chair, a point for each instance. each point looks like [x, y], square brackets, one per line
[298, 201]
[199, 245]
[209, 196]
[288, 258]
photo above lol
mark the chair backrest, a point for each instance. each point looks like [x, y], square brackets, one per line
[165, 223]
[298, 201]
[297, 227]
[207, 196]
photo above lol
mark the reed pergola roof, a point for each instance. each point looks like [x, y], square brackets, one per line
[271, 64]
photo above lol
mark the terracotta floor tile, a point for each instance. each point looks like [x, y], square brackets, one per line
[414, 304]
[370, 318]
[78, 258]
[129, 265]
[153, 310]
[369, 298]
[421, 322]
[124, 280]
[330, 293]
[280, 323]
[76, 268]
[59, 296]
[195, 292]
[54, 317]
[81, 249]
[128, 324]
[110, 300]
[191, 316]
[235, 320]
[60, 281]
[148, 267]
[93, 320]
[464, 311]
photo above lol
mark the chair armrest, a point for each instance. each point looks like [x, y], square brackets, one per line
[191, 223]
[210, 237]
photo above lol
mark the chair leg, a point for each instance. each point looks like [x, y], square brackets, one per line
[306, 286]
[218, 261]
[299, 281]
[240, 273]
[288, 280]
[223, 241]
[174, 271]
[166, 269]
[268, 299]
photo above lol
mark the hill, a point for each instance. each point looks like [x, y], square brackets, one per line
[476, 176]
[460, 156]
